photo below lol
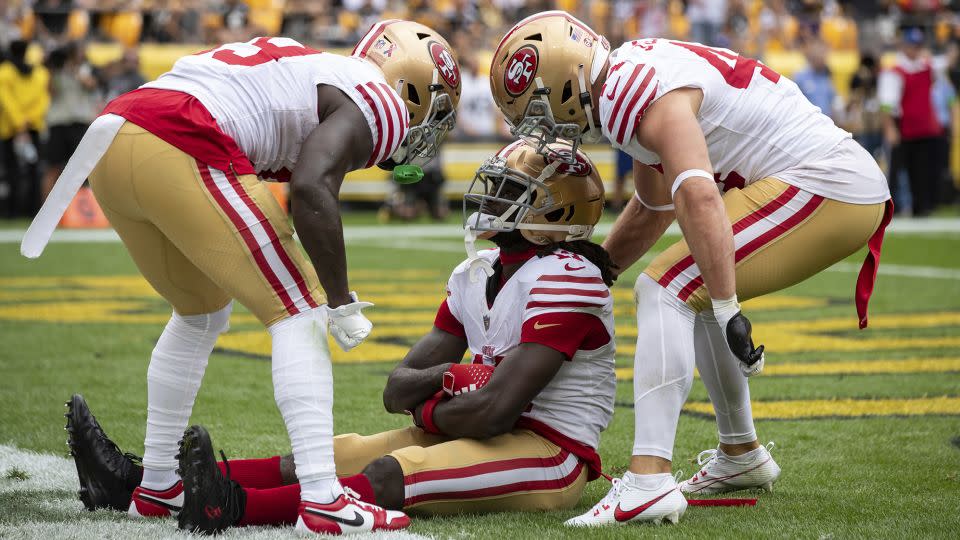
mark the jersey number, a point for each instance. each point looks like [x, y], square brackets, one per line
[740, 73]
[259, 52]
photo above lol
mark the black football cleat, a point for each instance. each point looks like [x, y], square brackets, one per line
[107, 475]
[211, 503]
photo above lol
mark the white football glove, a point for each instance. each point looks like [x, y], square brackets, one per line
[347, 324]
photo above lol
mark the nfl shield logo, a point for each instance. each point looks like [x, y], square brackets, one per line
[486, 322]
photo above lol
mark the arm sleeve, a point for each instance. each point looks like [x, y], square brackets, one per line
[567, 332]
[446, 321]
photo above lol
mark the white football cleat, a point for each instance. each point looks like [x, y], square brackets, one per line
[348, 516]
[720, 473]
[626, 502]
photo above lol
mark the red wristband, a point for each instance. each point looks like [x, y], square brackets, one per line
[426, 416]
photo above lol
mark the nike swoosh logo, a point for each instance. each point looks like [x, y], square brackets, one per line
[610, 94]
[569, 268]
[355, 522]
[538, 326]
[621, 515]
[157, 501]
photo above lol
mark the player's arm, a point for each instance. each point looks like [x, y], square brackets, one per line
[420, 374]
[670, 128]
[638, 226]
[339, 144]
[495, 408]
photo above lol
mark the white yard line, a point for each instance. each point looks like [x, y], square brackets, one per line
[948, 226]
[52, 485]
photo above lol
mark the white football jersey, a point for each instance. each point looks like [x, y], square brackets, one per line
[263, 94]
[578, 401]
[756, 122]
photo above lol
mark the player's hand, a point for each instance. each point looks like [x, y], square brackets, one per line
[463, 378]
[347, 324]
[738, 335]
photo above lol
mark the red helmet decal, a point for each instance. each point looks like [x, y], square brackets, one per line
[521, 69]
[580, 168]
[445, 63]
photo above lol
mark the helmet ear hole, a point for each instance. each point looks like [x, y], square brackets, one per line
[567, 93]
[534, 37]
[421, 35]
[555, 215]
[412, 94]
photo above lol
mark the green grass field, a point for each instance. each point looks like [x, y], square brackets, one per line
[866, 424]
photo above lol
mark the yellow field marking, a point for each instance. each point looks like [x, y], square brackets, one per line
[258, 342]
[852, 367]
[818, 408]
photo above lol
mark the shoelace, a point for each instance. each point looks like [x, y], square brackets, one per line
[379, 514]
[232, 487]
[613, 494]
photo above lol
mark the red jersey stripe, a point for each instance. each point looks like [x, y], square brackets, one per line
[643, 109]
[529, 485]
[389, 118]
[378, 121]
[403, 119]
[488, 467]
[739, 226]
[578, 292]
[625, 90]
[621, 133]
[274, 239]
[570, 279]
[247, 237]
[762, 240]
[532, 305]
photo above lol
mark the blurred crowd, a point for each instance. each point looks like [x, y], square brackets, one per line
[46, 106]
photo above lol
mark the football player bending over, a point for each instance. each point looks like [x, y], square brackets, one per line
[516, 428]
[175, 166]
[796, 194]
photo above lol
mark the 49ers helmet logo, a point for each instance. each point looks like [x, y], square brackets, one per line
[521, 69]
[445, 63]
[580, 168]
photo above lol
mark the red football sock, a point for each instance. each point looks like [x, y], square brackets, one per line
[255, 473]
[277, 506]
[361, 485]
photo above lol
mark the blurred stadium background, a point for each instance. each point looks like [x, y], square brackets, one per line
[835, 46]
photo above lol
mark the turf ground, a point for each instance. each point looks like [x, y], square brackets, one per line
[866, 424]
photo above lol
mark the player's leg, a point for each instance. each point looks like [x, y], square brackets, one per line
[514, 471]
[782, 235]
[200, 313]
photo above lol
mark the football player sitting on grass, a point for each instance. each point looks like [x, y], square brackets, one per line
[516, 428]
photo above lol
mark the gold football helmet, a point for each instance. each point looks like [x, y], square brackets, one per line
[542, 75]
[418, 63]
[549, 197]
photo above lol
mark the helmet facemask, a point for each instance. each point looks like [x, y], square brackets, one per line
[422, 143]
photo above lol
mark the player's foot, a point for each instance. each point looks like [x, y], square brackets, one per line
[627, 501]
[211, 503]
[347, 516]
[720, 473]
[149, 503]
[107, 476]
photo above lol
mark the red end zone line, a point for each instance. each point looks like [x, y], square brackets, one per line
[722, 502]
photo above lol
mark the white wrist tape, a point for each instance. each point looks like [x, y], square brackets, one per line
[661, 208]
[686, 175]
[724, 309]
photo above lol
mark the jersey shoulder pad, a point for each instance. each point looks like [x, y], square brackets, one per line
[380, 104]
[629, 90]
[564, 280]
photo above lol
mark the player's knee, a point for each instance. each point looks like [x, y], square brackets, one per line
[386, 479]
[214, 323]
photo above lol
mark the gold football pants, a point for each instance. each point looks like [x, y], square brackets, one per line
[782, 235]
[199, 235]
[511, 472]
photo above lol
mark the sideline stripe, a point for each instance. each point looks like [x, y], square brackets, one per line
[854, 367]
[826, 408]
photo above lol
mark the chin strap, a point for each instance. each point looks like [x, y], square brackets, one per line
[474, 261]
[594, 133]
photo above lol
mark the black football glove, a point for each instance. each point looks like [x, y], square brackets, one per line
[740, 342]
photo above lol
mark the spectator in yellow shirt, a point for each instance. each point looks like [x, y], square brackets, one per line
[24, 100]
